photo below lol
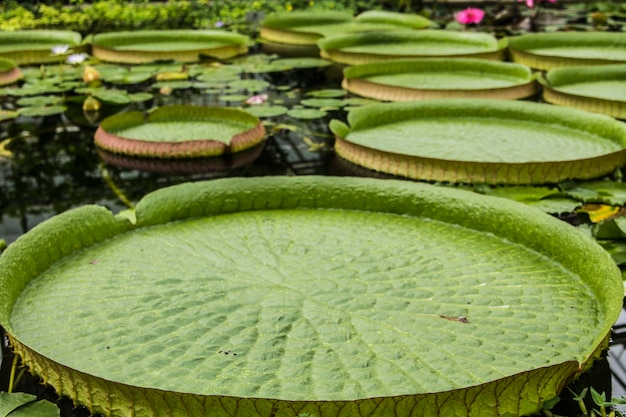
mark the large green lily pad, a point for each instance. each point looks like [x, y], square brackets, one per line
[546, 51]
[411, 79]
[600, 89]
[362, 48]
[307, 27]
[180, 132]
[482, 141]
[180, 45]
[320, 295]
[35, 46]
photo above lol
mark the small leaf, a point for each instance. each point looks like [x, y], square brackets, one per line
[11, 401]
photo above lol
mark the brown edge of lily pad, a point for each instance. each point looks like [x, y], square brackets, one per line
[187, 149]
[613, 108]
[378, 91]
[11, 76]
[184, 166]
[144, 57]
[432, 169]
[352, 58]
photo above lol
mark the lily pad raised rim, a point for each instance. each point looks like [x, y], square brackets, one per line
[489, 172]
[522, 48]
[355, 79]
[484, 45]
[107, 139]
[83, 227]
[556, 81]
[9, 72]
[307, 27]
[106, 46]
[27, 47]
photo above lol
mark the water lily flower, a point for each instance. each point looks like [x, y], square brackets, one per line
[219, 24]
[258, 99]
[470, 16]
[60, 49]
[531, 3]
[75, 59]
[90, 74]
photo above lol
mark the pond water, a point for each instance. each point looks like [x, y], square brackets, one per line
[48, 164]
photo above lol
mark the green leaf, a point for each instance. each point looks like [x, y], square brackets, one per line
[36, 409]
[328, 296]
[41, 111]
[11, 401]
[483, 141]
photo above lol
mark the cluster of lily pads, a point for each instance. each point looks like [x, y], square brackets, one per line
[255, 333]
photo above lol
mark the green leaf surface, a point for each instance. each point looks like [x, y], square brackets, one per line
[41, 408]
[609, 192]
[330, 296]
[266, 110]
[480, 140]
[11, 401]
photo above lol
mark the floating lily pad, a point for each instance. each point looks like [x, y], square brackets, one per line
[302, 62]
[600, 89]
[481, 141]
[361, 48]
[180, 132]
[306, 113]
[266, 111]
[249, 85]
[7, 115]
[546, 51]
[35, 46]
[325, 296]
[307, 27]
[40, 111]
[327, 93]
[39, 101]
[179, 45]
[322, 102]
[9, 72]
[403, 80]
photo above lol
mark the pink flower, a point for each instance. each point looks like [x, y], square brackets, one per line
[531, 3]
[258, 99]
[470, 16]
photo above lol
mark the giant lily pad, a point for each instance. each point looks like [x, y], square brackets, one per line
[481, 141]
[180, 132]
[411, 79]
[35, 46]
[361, 48]
[319, 295]
[600, 89]
[179, 45]
[546, 51]
[9, 72]
[307, 27]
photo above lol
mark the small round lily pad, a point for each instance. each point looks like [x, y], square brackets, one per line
[180, 132]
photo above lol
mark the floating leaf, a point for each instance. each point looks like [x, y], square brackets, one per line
[306, 113]
[39, 101]
[322, 102]
[138, 97]
[11, 401]
[266, 111]
[609, 192]
[41, 111]
[302, 62]
[7, 115]
[249, 85]
[327, 93]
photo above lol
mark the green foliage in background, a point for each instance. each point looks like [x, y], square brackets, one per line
[114, 15]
